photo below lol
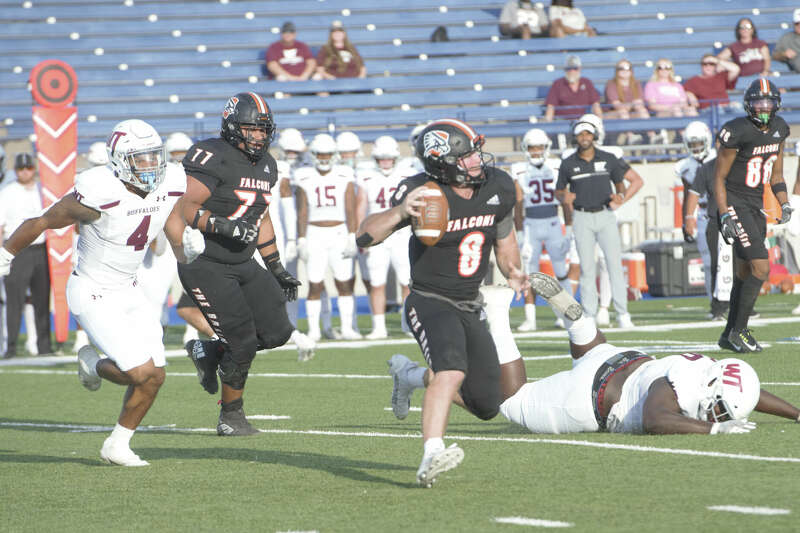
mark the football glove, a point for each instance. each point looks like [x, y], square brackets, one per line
[290, 251]
[786, 213]
[302, 249]
[732, 426]
[727, 227]
[194, 243]
[5, 261]
[687, 237]
[350, 248]
[287, 282]
[239, 229]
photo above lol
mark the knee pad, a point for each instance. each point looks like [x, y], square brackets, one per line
[276, 339]
[235, 364]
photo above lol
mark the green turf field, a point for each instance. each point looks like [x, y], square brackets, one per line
[332, 457]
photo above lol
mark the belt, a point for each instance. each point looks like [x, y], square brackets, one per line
[590, 209]
[604, 374]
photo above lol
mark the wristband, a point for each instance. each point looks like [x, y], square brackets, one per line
[197, 215]
[265, 244]
[274, 256]
[779, 187]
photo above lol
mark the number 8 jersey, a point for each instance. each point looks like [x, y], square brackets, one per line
[111, 248]
[757, 151]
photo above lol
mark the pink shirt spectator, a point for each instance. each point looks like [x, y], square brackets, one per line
[748, 56]
[560, 95]
[292, 58]
[664, 92]
[711, 88]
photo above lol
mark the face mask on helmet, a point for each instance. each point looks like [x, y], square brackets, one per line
[247, 124]
[385, 152]
[292, 145]
[763, 109]
[761, 101]
[137, 155]
[323, 152]
[731, 390]
[451, 153]
[536, 145]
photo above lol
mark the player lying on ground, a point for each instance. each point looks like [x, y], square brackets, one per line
[610, 388]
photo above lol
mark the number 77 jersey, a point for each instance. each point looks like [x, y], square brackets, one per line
[757, 152]
[111, 248]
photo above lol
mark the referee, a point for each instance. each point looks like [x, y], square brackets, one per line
[590, 173]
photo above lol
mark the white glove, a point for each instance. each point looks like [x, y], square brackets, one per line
[351, 248]
[194, 243]
[5, 261]
[302, 249]
[732, 426]
[290, 251]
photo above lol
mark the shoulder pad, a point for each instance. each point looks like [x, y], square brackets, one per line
[98, 188]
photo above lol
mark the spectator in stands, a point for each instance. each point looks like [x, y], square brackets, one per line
[666, 97]
[338, 58]
[625, 96]
[749, 52]
[570, 96]
[289, 59]
[521, 19]
[712, 84]
[567, 20]
[788, 47]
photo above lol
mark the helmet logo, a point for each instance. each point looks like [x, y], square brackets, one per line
[436, 143]
[731, 375]
[230, 107]
[114, 138]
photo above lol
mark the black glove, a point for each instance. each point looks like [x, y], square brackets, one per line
[727, 227]
[688, 237]
[239, 229]
[786, 213]
[287, 282]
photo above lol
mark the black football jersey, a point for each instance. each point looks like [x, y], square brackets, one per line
[457, 264]
[239, 189]
[757, 151]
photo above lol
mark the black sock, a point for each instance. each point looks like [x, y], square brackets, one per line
[733, 306]
[751, 286]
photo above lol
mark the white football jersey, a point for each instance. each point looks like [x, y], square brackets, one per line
[111, 248]
[325, 194]
[538, 183]
[686, 168]
[684, 372]
[380, 188]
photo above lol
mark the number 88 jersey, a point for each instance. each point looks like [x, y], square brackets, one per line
[757, 152]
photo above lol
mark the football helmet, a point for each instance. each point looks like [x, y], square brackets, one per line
[385, 147]
[323, 144]
[697, 139]
[292, 144]
[731, 390]
[250, 111]
[761, 101]
[177, 143]
[137, 155]
[97, 154]
[536, 137]
[442, 145]
[348, 145]
[412, 138]
[596, 122]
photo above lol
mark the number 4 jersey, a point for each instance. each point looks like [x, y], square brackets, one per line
[111, 248]
[757, 151]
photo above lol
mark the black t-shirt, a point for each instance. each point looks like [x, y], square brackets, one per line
[457, 265]
[756, 152]
[239, 189]
[591, 180]
[703, 184]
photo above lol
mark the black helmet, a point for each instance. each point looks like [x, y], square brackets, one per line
[761, 101]
[440, 146]
[247, 109]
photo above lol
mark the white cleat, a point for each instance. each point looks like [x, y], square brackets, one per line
[560, 300]
[377, 334]
[87, 368]
[625, 321]
[331, 334]
[527, 326]
[305, 346]
[120, 455]
[559, 323]
[438, 463]
[351, 335]
[31, 348]
[602, 318]
[399, 365]
[314, 335]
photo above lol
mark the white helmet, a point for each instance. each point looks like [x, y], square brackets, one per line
[291, 140]
[697, 139]
[385, 147]
[597, 122]
[177, 142]
[348, 143]
[137, 155]
[97, 154]
[323, 144]
[536, 137]
[731, 385]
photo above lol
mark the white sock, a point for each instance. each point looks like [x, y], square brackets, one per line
[416, 377]
[379, 322]
[122, 435]
[530, 313]
[30, 324]
[313, 310]
[346, 305]
[566, 284]
[432, 446]
[582, 331]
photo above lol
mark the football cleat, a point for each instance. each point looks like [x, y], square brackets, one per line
[527, 326]
[438, 463]
[234, 424]
[602, 318]
[724, 343]
[351, 335]
[305, 346]
[114, 454]
[399, 365]
[87, 368]
[560, 300]
[743, 341]
[204, 356]
[377, 334]
[625, 321]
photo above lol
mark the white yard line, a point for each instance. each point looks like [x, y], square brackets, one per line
[749, 510]
[535, 522]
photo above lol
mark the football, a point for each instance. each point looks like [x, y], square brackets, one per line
[431, 226]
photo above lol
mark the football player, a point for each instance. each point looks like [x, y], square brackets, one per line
[177, 145]
[750, 156]
[536, 215]
[444, 307]
[326, 224]
[230, 180]
[375, 190]
[120, 208]
[413, 162]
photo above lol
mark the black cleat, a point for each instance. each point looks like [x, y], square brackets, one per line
[204, 356]
[234, 424]
[743, 341]
[724, 343]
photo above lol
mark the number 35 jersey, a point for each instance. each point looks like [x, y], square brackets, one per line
[538, 186]
[757, 151]
[458, 263]
[111, 248]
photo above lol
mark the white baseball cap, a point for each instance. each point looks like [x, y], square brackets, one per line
[796, 16]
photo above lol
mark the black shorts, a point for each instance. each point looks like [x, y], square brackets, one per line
[749, 243]
[451, 339]
[240, 301]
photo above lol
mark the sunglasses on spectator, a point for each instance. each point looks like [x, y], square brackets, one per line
[709, 63]
[664, 67]
[572, 68]
[26, 168]
[746, 27]
[624, 67]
